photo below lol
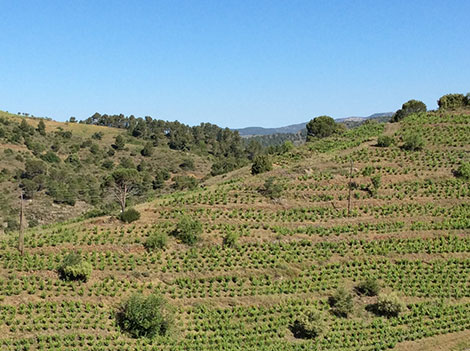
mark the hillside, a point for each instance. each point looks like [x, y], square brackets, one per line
[296, 128]
[63, 168]
[291, 249]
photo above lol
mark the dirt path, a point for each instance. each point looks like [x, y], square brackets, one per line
[448, 342]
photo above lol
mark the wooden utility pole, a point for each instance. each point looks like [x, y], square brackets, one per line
[21, 235]
[350, 188]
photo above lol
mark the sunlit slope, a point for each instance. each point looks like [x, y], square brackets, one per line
[294, 250]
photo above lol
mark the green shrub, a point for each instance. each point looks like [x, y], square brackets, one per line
[188, 230]
[230, 239]
[261, 164]
[185, 182]
[408, 108]
[156, 240]
[50, 157]
[147, 150]
[74, 268]
[341, 302]
[376, 181]
[130, 215]
[384, 141]
[322, 127]
[389, 305]
[308, 325]
[368, 287]
[187, 165]
[142, 316]
[413, 142]
[272, 189]
[463, 171]
[452, 101]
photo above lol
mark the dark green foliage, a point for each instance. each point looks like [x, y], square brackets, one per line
[207, 138]
[408, 108]
[108, 164]
[188, 230]
[160, 178]
[73, 267]
[29, 187]
[97, 135]
[376, 181]
[119, 143]
[156, 240]
[413, 142]
[225, 165]
[341, 302]
[463, 171]
[253, 149]
[388, 305]
[34, 168]
[62, 192]
[50, 157]
[452, 101]
[384, 141]
[142, 316]
[261, 164]
[321, 127]
[368, 287]
[147, 151]
[308, 325]
[185, 182]
[130, 215]
[73, 160]
[26, 128]
[187, 165]
[41, 128]
[272, 189]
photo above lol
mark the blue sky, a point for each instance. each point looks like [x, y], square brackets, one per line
[234, 63]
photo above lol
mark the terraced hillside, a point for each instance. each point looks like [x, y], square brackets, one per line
[292, 246]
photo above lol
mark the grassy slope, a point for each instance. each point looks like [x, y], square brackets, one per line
[293, 252]
[42, 207]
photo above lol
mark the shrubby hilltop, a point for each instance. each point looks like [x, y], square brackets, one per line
[358, 239]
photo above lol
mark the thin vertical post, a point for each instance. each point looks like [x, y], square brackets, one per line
[350, 188]
[21, 235]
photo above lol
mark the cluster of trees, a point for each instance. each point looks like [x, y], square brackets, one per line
[446, 102]
[323, 127]
[453, 101]
[222, 143]
[408, 108]
[313, 323]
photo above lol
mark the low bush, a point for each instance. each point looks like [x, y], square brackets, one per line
[308, 325]
[230, 239]
[74, 268]
[413, 142]
[261, 164]
[341, 302]
[272, 189]
[142, 316]
[389, 305]
[155, 241]
[384, 141]
[463, 171]
[368, 287]
[188, 230]
[130, 215]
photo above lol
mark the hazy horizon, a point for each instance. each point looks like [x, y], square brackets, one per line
[233, 64]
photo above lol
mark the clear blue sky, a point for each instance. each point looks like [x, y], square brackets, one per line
[234, 63]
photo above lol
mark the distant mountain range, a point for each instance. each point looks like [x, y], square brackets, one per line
[295, 128]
